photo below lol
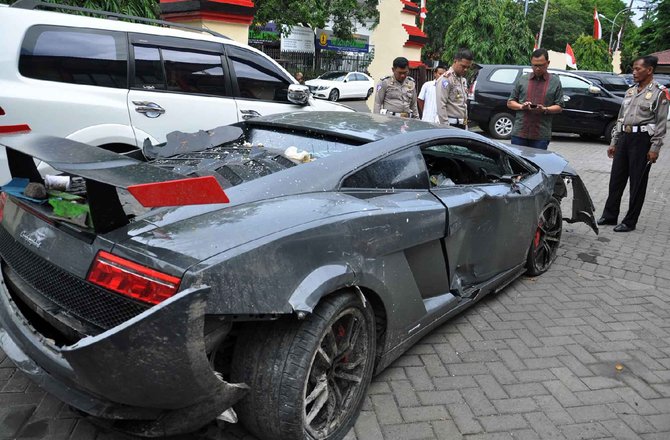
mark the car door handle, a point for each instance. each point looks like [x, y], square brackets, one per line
[150, 109]
[566, 98]
[249, 114]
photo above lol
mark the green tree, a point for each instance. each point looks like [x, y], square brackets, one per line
[440, 15]
[139, 8]
[345, 14]
[653, 35]
[495, 31]
[568, 19]
[592, 54]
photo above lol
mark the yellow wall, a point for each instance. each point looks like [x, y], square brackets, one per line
[235, 31]
[389, 37]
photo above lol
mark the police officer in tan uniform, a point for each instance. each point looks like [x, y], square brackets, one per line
[452, 92]
[396, 94]
[641, 127]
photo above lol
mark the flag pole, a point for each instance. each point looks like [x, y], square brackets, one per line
[544, 16]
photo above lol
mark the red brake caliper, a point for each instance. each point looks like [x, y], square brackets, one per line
[341, 332]
[538, 233]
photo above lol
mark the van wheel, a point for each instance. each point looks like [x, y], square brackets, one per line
[547, 238]
[369, 93]
[334, 95]
[501, 125]
[307, 378]
[609, 132]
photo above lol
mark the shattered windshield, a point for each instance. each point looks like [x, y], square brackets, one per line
[239, 159]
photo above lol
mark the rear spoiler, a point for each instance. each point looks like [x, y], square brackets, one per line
[103, 172]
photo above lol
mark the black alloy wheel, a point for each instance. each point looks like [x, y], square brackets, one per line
[546, 239]
[307, 379]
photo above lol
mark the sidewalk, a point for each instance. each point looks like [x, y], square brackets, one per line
[536, 361]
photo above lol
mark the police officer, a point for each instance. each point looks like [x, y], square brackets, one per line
[638, 139]
[452, 92]
[396, 94]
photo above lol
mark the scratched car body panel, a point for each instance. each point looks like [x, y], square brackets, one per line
[393, 227]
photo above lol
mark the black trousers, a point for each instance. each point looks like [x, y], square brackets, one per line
[630, 159]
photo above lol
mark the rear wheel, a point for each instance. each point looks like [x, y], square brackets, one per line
[547, 238]
[501, 125]
[307, 378]
[609, 132]
[370, 90]
[334, 95]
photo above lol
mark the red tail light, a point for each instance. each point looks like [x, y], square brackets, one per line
[14, 128]
[131, 279]
[3, 201]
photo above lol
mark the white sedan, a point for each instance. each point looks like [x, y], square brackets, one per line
[336, 85]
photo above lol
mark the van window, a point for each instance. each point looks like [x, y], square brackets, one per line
[257, 77]
[76, 56]
[505, 76]
[179, 70]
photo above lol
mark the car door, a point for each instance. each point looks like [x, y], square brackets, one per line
[259, 85]
[582, 112]
[178, 84]
[361, 86]
[490, 219]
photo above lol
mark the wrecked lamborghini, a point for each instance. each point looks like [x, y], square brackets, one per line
[265, 270]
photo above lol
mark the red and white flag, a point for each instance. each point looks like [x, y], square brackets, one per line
[597, 30]
[422, 16]
[570, 59]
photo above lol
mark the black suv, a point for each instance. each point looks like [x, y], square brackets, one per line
[615, 84]
[589, 110]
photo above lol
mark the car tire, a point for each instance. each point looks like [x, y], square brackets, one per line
[546, 239]
[501, 125]
[334, 95]
[294, 366]
[370, 91]
[609, 132]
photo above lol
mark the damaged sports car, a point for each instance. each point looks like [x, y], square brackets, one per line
[265, 270]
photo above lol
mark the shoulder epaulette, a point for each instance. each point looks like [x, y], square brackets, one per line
[385, 78]
[411, 79]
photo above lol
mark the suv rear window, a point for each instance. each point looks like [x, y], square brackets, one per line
[505, 76]
[75, 56]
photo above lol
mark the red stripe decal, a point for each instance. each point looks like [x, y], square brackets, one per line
[14, 128]
[191, 191]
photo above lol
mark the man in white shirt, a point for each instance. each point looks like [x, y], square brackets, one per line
[426, 99]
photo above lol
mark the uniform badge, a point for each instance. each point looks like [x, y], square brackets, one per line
[379, 87]
[648, 95]
[445, 84]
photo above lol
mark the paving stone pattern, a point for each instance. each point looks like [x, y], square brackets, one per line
[536, 361]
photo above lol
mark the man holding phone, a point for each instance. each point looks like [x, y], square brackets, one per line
[536, 97]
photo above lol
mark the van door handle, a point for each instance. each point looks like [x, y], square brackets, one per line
[150, 109]
[249, 114]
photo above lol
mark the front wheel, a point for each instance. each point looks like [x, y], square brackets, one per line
[547, 238]
[307, 378]
[334, 95]
[501, 125]
[609, 132]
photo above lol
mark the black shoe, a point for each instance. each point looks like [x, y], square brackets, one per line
[622, 227]
[604, 221]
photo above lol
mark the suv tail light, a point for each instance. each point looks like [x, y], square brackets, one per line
[131, 279]
[471, 92]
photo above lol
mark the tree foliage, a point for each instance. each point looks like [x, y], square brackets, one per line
[344, 14]
[592, 54]
[138, 8]
[652, 36]
[495, 31]
[568, 19]
[440, 14]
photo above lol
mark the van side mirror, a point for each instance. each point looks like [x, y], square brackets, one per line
[594, 90]
[298, 94]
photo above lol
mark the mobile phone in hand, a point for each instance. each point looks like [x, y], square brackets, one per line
[533, 105]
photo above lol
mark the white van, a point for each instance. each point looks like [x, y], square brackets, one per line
[113, 83]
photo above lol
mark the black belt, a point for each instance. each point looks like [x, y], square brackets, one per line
[634, 129]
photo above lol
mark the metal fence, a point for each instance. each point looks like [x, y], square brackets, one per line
[314, 64]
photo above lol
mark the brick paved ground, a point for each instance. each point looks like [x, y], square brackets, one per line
[536, 361]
